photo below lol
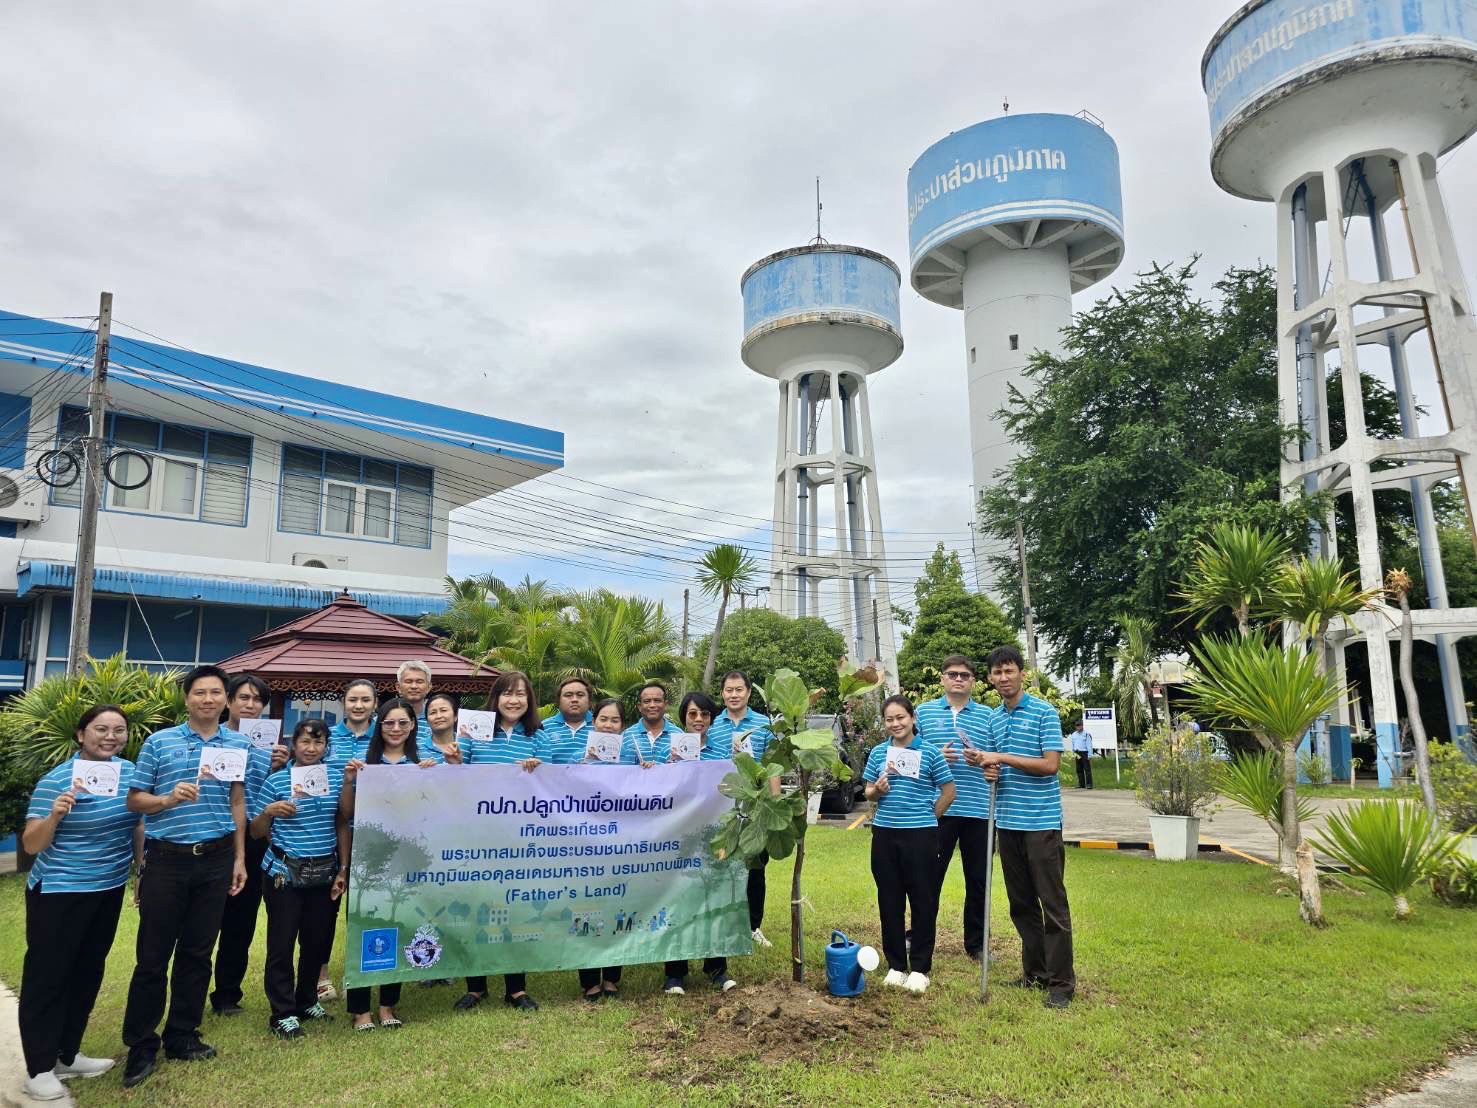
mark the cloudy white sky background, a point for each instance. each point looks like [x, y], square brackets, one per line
[542, 211]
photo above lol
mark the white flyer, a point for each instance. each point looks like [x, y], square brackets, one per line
[94, 778]
[478, 725]
[223, 763]
[310, 780]
[604, 746]
[742, 745]
[904, 761]
[263, 733]
[686, 748]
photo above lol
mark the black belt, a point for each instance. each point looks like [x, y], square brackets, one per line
[277, 852]
[196, 850]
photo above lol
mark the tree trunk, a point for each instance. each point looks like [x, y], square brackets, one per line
[797, 908]
[1291, 834]
[1149, 699]
[1243, 619]
[712, 663]
[1402, 908]
[1413, 709]
[1309, 892]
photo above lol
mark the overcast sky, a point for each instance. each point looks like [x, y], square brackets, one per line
[542, 211]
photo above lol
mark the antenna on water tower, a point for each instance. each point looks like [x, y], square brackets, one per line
[1005, 107]
[818, 240]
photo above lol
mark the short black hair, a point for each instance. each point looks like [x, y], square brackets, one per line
[354, 684]
[313, 724]
[95, 711]
[735, 673]
[573, 679]
[958, 660]
[1006, 655]
[450, 697]
[703, 701]
[187, 682]
[241, 680]
[653, 685]
[905, 704]
[609, 702]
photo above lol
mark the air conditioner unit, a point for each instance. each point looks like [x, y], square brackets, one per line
[20, 499]
[321, 561]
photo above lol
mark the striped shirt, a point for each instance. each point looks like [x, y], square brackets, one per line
[309, 834]
[258, 769]
[638, 746]
[508, 748]
[723, 728]
[716, 747]
[908, 802]
[435, 754]
[171, 756]
[937, 724]
[344, 746]
[1028, 801]
[567, 744]
[93, 843]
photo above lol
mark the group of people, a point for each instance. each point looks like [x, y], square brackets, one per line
[209, 848]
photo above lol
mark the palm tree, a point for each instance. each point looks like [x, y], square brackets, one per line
[617, 642]
[1397, 583]
[1276, 693]
[1131, 662]
[724, 570]
[1232, 569]
[510, 626]
[1390, 845]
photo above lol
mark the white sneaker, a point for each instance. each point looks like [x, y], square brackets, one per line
[326, 991]
[45, 1086]
[83, 1066]
[916, 982]
[894, 978]
[759, 939]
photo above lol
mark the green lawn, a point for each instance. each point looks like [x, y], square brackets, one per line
[1198, 986]
[1103, 776]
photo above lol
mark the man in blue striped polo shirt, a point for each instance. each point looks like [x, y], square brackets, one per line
[1025, 751]
[568, 728]
[738, 719]
[413, 683]
[955, 723]
[649, 740]
[194, 857]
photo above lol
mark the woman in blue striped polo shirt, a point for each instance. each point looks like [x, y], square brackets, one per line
[912, 786]
[302, 877]
[603, 984]
[442, 709]
[83, 844]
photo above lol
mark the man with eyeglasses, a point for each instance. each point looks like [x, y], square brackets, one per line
[954, 723]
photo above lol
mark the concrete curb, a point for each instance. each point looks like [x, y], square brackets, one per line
[13, 1062]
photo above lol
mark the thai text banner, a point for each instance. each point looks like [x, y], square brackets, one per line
[470, 870]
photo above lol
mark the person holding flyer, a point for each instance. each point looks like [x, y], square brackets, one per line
[648, 741]
[194, 858]
[84, 837]
[569, 727]
[911, 783]
[393, 743]
[413, 683]
[746, 732]
[608, 720]
[444, 747]
[520, 740]
[298, 819]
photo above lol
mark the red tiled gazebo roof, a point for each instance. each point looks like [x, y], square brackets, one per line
[320, 652]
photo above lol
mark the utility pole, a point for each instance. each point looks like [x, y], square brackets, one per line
[92, 491]
[684, 622]
[1020, 547]
[876, 632]
[742, 597]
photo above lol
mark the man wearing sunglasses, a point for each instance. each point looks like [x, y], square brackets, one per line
[954, 723]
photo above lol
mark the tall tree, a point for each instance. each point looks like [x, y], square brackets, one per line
[1232, 569]
[617, 642]
[951, 621]
[943, 570]
[724, 570]
[761, 642]
[1158, 421]
[1133, 691]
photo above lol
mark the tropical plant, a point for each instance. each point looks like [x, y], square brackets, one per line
[1232, 569]
[1454, 881]
[1175, 772]
[1454, 779]
[1315, 768]
[1397, 583]
[1254, 782]
[617, 642]
[723, 570]
[760, 642]
[768, 818]
[37, 728]
[1390, 845]
[1132, 687]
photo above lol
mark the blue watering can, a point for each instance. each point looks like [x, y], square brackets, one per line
[847, 965]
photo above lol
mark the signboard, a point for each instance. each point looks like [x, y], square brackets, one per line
[1102, 725]
[471, 870]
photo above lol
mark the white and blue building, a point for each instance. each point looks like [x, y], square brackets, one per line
[267, 493]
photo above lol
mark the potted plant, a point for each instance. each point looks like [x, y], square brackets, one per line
[1175, 775]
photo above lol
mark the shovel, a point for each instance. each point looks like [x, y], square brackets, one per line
[989, 884]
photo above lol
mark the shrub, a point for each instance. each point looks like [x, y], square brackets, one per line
[1175, 772]
[1315, 769]
[1455, 780]
[1391, 845]
[1254, 782]
[1454, 883]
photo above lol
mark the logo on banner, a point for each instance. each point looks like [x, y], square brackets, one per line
[377, 949]
[424, 950]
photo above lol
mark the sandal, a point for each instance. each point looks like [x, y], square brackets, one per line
[364, 1026]
[391, 1024]
[595, 997]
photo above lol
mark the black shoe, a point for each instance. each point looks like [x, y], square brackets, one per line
[193, 1050]
[595, 997]
[467, 1002]
[523, 1002]
[287, 1027]
[974, 955]
[1057, 998]
[229, 1009]
[141, 1063]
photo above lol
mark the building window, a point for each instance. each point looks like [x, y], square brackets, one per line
[327, 493]
[1015, 342]
[195, 473]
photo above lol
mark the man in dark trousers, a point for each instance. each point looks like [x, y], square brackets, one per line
[1023, 756]
[194, 857]
[1082, 751]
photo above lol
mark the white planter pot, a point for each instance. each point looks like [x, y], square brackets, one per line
[1175, 838]
[813, 808]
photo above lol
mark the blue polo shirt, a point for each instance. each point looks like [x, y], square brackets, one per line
[724, 729]
[716, 748]
[508, 748]
[431, 751]
[171, 756]
[1028, 801]
[567, 744]
[936, 725]
[344, 746]
[93, 843]
[309, 834]
[258, 769]
[638, 746]
[908, 802]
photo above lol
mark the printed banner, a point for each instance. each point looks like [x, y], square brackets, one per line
[470, 870]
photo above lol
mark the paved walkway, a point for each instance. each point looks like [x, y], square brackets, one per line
[1453, 1086]
[12, 1062]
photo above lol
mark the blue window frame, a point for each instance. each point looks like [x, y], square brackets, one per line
[195, 473]
[324, 492]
